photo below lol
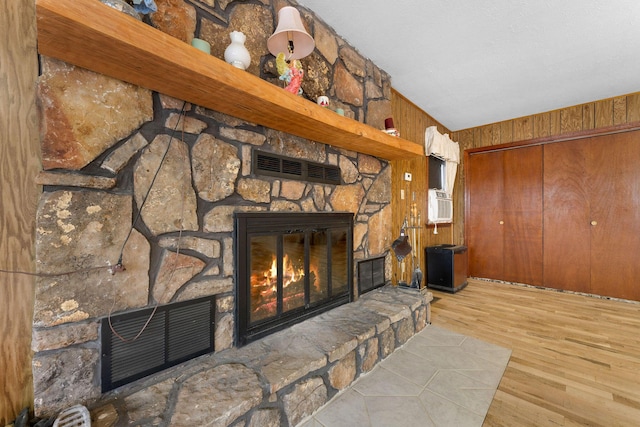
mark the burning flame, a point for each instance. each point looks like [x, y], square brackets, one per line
[290, 273]
[264, 287]
[270, 276]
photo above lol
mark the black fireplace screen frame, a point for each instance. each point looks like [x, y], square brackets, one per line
[248, 224]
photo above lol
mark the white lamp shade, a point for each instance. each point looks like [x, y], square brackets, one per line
[290, 27]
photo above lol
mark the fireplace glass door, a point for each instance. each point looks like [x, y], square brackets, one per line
[290, 268]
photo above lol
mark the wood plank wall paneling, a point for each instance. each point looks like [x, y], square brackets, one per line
[619, 110]
[522, 129]
[541, 125]
[588, 116]
[571, 119]
[19, 164]
[412, 122]
[633, 108]
[601, 114]
[604, 113]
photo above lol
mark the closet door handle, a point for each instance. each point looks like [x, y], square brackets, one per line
[594, 223]
[501, 223]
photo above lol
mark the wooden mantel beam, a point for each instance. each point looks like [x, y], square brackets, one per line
[91, 35]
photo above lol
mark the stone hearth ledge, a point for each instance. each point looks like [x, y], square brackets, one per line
[278, 380]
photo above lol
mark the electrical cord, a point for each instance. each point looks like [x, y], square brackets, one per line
[64, 273]
[119, 266]
[153, 180]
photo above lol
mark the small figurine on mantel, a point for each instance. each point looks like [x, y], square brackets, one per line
[389, 129]
[144, 6]
[291, 73]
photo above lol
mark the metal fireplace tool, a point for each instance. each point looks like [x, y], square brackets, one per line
[410, 238]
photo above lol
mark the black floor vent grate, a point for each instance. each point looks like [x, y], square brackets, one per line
[287, 167]
[176, 333]
[371, 274]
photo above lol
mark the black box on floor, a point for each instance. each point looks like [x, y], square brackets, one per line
[447, 267]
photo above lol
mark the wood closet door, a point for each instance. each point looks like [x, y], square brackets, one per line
[522, 213]
[505, 215]
[615, 209]
[567, 229]
[484, 184]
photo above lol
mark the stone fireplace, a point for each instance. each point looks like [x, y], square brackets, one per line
[140, 193]
[290, 266]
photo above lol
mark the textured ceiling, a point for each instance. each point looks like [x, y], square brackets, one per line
[468, 63]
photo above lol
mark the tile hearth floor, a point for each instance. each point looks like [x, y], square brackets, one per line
[437, 378]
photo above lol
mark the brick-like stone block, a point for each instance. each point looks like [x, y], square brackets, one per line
[224, 332]
[370, 354]
[420, 318]
[265, 418]
[344, 372]
[64, 378]
[85, 113]
[63, 336]
[404, 330]
[175, 270]
[305, 398]
[387, 343]
[149, 403]
[162, 178]
[215, 166]
[82, 231]
[217, 396]
[185, 124]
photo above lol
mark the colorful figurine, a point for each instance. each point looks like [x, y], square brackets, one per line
[291, 73]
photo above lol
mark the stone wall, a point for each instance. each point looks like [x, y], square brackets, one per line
[143, 180]
[281, 379]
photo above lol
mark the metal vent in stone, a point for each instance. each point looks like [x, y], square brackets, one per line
[287, 167]
[371, 274]
[171, 335]
[315, 171]
[267, 163]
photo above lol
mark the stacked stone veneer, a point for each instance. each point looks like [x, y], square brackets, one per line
[280, 379]
[143, 178]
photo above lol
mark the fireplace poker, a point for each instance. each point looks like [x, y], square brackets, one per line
[416, 280]
[416, 277]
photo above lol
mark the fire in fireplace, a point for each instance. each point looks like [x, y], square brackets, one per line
[290, 266]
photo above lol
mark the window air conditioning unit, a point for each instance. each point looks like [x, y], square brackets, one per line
[440, 207]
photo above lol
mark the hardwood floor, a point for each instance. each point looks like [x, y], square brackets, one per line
[575, 359]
